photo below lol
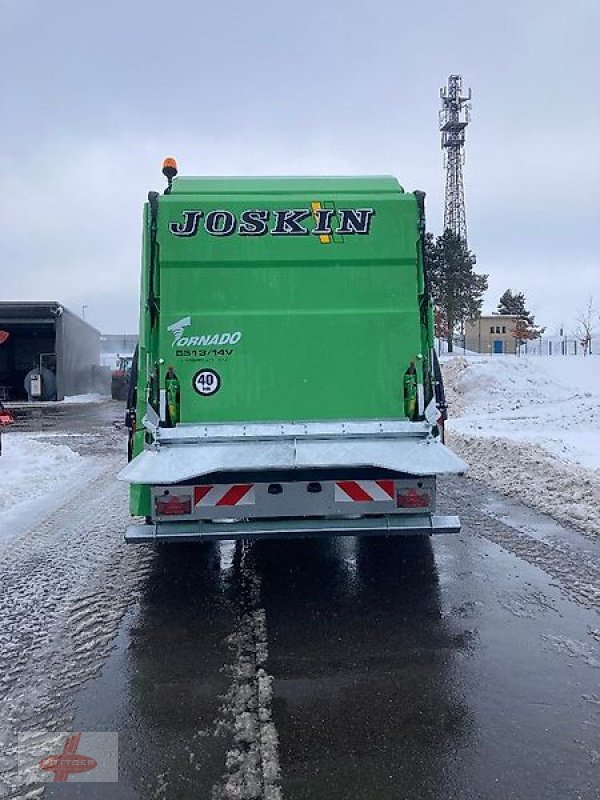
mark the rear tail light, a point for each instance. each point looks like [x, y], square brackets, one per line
[6, 418]
[412, 498]
[173, 505]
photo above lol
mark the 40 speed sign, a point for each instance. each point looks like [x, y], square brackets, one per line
[206, 382]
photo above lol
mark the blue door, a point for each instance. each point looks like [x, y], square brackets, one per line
[498, 346]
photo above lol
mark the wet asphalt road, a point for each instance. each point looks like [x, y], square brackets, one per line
[464, 666]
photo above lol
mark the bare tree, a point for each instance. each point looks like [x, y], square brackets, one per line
[525, 332]
[587, 320]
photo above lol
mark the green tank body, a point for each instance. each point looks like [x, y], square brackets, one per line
[281, 300]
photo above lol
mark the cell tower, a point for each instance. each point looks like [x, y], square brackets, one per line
[454, 117]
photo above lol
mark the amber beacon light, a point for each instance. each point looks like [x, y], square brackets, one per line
[169, 170]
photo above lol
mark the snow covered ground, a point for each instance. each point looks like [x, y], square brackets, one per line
[72, 399]
[530, 426]
[33, 475]
[91, 397]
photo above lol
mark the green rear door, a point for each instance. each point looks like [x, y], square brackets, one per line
[288, 326]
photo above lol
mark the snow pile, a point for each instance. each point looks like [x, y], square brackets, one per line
[530, 426]
[92, 397]
[29, 471]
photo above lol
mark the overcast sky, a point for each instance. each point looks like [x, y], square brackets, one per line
[95, 94]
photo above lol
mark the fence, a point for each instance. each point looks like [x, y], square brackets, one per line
[544, 346]
[560, 346]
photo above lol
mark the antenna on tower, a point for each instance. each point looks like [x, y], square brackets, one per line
[455, 115]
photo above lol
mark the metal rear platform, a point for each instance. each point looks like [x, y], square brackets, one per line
[199, 531]
[189, 451]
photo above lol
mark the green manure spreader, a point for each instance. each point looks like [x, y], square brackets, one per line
[286, 382]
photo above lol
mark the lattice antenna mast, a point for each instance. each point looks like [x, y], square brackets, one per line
[455, 115]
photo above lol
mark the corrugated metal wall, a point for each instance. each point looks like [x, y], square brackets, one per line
[77, 353]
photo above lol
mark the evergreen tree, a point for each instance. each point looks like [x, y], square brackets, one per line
[456, 288]
[514, 303]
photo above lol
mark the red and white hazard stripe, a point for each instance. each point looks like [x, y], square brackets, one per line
[364, 491]
[226, 494]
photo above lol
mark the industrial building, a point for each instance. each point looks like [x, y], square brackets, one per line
[46, 352]
[115, 345]
[118, 343]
